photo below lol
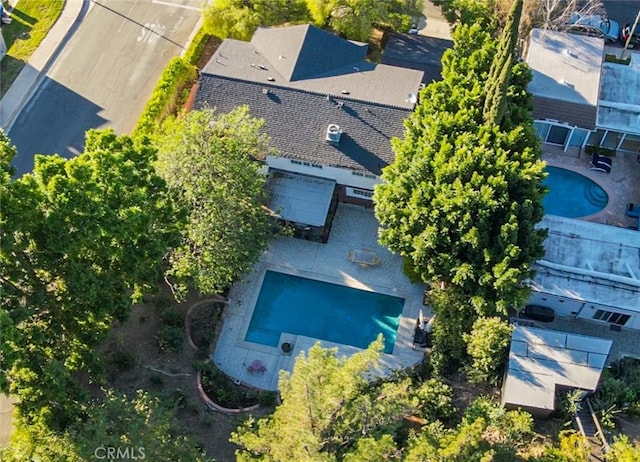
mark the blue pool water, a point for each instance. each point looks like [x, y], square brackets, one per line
[572, 195]
[324, 311]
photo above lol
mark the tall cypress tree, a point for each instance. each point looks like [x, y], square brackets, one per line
[495, 103]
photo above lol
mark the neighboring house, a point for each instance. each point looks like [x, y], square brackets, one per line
[417, 52]
[589, 271]
[330, 114]
[578, 98]
[542, 361]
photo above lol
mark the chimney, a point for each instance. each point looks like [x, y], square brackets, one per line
[333, 134]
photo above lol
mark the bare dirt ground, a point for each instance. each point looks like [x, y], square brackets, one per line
[169, 375]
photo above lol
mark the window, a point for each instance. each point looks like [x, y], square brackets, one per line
[557, 135]
[630, 143]
[612, 140]
[596, 138]
[365, 175]
[361, 193]
[611, 317]
[577, 137]
[306, 164]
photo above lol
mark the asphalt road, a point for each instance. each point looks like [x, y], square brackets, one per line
[622, 11]
[104, 76]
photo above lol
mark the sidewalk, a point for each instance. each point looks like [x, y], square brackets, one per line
[45, 55]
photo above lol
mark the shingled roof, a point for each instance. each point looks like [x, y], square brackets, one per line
[417, 52]
[300, 79]
[297, 121]
[308, 58]
[304, 51]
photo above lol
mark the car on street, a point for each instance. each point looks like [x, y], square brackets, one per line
[593, 26]
[626, 31]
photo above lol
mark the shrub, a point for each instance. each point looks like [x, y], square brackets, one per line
[165, 96]
[172, 317]
[196, 46]
[488, 346]
[434, 400]
[123, 360]
[171, 339]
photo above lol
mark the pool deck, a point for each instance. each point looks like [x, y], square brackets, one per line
[354, 229]
[622, 184]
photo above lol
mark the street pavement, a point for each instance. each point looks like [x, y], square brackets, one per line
[100, 76]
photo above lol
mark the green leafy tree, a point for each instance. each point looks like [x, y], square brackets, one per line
[211, 165]
[487, 432]
[623, 450]
[468, 11]
[81, 239]
[488, 347]
[572, 447]
[142, 426]
[328, 405]
[495, 103]
[238, 19]
[454, 316]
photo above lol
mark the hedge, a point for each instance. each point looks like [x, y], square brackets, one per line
[165, 96]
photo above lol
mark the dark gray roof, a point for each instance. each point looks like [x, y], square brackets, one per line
[388, 85]
[581, 115]
[304, 51]
[417, 52]
[297, 122]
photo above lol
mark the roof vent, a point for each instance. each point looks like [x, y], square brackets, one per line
[333, 134]
[265, 91]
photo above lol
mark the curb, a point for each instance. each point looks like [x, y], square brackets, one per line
[27, 82]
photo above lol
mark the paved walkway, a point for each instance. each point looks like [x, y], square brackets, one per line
[353, 228]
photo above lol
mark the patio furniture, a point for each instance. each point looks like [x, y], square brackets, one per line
[364, 258]
[601, 163]
[257, 366]
[633, 210]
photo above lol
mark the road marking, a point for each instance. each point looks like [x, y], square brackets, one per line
[177, 5]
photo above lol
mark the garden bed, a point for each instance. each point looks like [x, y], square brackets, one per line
[229, 395]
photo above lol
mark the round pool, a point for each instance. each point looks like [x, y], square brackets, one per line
[572, 195]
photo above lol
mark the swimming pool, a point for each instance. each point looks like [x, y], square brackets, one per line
[321, 310]
[572, 195]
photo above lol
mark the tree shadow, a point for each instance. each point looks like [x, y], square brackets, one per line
[20, 27]
[54, 120]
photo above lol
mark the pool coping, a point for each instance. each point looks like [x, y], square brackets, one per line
[591, 175]
[347, 282]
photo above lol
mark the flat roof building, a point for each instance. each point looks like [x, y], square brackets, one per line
[541, 360]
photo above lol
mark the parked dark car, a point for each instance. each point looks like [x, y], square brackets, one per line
[539, 313]
[635, 35]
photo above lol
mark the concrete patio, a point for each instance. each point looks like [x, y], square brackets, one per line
[354, 229]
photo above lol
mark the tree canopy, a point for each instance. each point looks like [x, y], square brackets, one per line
[211, 165]
[351, 18]
[81, 239]
[462, 198]
[141, 428]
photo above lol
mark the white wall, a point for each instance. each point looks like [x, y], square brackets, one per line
[341, 175]
[575, 308]
[562, 306]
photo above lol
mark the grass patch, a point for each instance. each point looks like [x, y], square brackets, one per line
[32, 20]
[614, 59]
